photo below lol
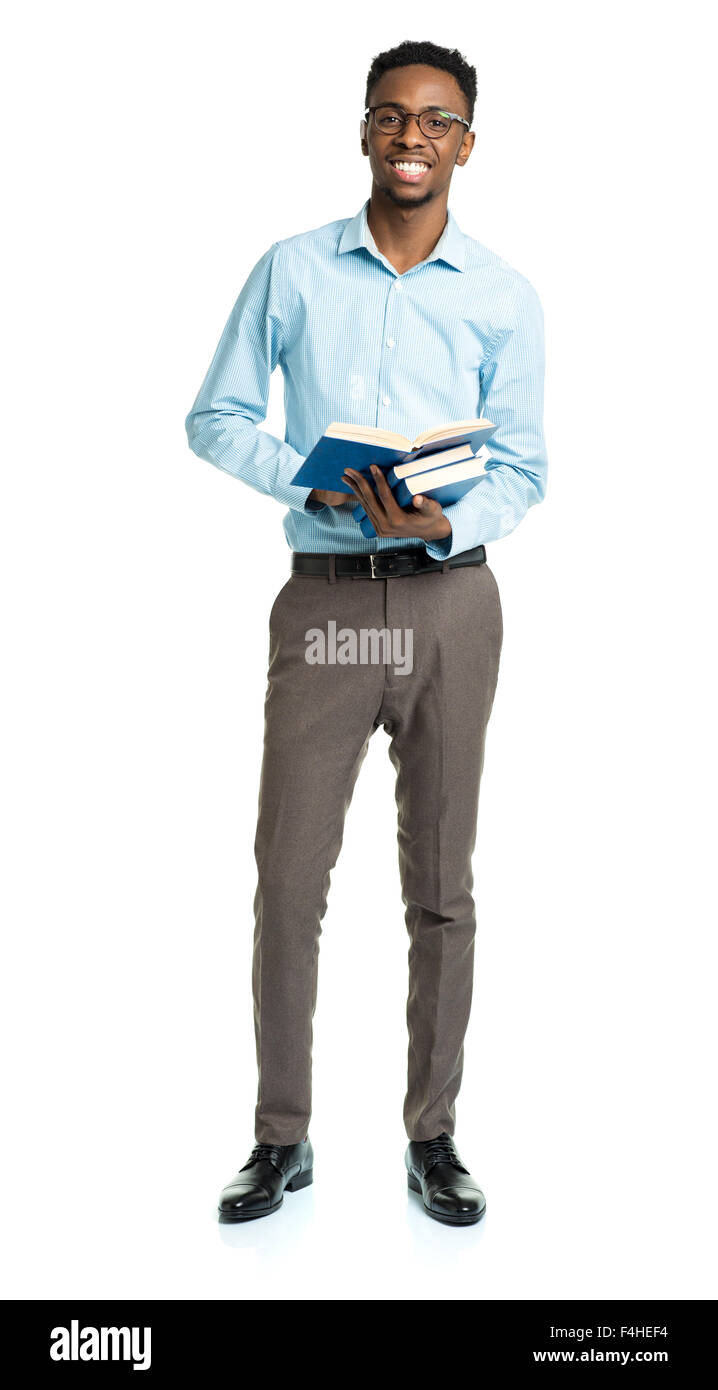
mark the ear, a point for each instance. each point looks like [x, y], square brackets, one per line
[467, 145]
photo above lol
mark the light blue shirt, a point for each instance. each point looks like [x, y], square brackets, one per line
[457, 336]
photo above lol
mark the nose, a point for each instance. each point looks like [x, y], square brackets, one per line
[407, 128]
[411, 139]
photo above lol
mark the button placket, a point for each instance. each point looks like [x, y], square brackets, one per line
[388, 344]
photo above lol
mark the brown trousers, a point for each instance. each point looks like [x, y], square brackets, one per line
[318, 722]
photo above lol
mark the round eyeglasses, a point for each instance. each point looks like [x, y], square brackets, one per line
[433, 122]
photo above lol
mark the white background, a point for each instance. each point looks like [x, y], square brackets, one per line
[153, 152]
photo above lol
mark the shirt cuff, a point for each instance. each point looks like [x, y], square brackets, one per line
[460, 538]
[292, 496]
[314, 505]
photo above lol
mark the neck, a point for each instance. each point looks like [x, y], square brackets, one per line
[406, 235]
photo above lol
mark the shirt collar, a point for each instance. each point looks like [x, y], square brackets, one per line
[450, 247]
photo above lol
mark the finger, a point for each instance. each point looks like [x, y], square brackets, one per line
[376, 517]
[395, 514]
[382, 486]
[428, 506]
[353, 478]
[368, 497]
[357, 484]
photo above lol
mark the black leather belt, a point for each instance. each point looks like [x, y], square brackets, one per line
[385, 564]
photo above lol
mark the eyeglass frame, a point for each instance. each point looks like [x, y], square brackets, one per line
[394, 105]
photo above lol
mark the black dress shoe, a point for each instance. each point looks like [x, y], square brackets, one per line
[258, 1188]
[448, 1190]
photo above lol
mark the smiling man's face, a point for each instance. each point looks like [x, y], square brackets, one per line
[415, 88]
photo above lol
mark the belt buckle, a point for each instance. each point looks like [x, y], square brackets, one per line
[396, 563]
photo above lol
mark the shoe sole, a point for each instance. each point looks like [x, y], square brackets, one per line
[296, 1185]
[415, 1186]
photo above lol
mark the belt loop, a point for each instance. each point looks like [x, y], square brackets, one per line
[332, 569]
[444, 566]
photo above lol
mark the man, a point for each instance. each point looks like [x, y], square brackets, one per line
[396, 318]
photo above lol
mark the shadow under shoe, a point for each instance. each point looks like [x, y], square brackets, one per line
[258, 1188]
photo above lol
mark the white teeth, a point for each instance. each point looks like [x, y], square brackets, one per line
[409, 168]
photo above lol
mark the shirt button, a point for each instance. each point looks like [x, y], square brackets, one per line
[385, 400]
[390, 342]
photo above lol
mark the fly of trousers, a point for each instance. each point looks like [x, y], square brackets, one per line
[318, 720]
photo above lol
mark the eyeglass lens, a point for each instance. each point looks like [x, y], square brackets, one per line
[432, 123]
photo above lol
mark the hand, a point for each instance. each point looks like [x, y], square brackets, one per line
[425, 519]
[329, 499]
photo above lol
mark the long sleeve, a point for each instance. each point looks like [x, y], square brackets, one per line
[222, 426]
[512, 380]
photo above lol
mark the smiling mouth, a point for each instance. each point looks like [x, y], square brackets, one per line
[410, 170]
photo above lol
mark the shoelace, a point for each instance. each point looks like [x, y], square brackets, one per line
[441, 1150]
[271, 1153]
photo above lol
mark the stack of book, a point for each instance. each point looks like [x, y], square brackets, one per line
[442, 463]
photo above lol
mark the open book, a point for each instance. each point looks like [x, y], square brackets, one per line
[359, 446]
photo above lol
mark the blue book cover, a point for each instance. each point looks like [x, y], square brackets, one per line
[450, 492]
[323, 466]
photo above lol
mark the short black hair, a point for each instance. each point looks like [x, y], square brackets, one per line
[434, 56]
